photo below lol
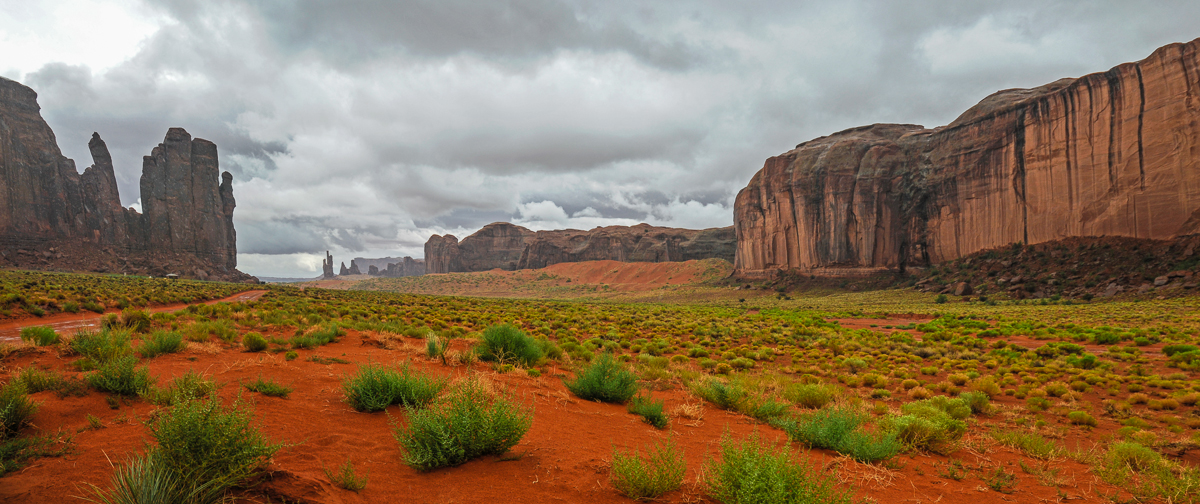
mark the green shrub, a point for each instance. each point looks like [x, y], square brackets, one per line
[1081, 418]
[254, 342]
[811, 396]
[650, 409]
[469, 422]
[121, 376]
[15, 409]
[268, 387]
[604, 380]
[37, 380]
[1030, 443]
[507, 344]
[210, 445]
[346, 477]
[930, 425]
[203, 330]
[661, 471]
[1170, 350]
[435, 347]
[137, 321]
[752, 471]
[840, 430]
[979, 402]
[375, 387]
[188, 386]
[727, 396]
[102, 346]
[39, 335]
[148, 479]
[159, 343]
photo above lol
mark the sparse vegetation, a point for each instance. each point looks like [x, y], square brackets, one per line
[471, 420]
[649, 477]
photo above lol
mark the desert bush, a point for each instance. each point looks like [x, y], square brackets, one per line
[268, 387]
[661, 471]
[37, 380]
[121, 376]
[148, 479]
[39, 335]
[930, 425]
[188, 386]
[1030, 443]
[346, 477]
[210, 445]
[375, 387]
[101, 346]
[1081, 418]
[604, 380]
[651, 410]
[435, 347]
[507, 344]
[468, 422]
[204, 330]
[812, 396]
[159, 343]
[752, 471]
[15, 409]
[137, 321]
[254, 342]
[841, 430]
[724, 395]
[979, 402]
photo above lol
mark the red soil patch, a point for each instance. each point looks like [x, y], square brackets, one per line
[68, 323]
[563, 458]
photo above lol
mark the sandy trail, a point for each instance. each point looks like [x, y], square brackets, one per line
[68, 323]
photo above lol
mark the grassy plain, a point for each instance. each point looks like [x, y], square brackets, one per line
[891, 395]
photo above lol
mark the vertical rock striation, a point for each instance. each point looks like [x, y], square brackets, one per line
[1108, 154]
[43, 199]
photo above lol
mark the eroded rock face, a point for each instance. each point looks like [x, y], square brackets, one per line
[44, 200]
[1108, 154]
[392, 267]
[510, 247]
[327, 266]
[354, 268]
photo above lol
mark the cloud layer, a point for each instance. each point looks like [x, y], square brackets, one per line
[364, 127]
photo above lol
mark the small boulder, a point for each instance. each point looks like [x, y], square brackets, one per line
[963, 289]
[1161, 280]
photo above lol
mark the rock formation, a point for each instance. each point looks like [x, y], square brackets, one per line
[354, 268]
[327, 266]
[45, 203]
[1108, 154]
[510, 247]
[393, 267]
[344, 270]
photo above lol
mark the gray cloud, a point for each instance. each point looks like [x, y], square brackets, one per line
[366, 126]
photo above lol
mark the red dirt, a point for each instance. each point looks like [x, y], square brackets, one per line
[563, 458]
[67, 323]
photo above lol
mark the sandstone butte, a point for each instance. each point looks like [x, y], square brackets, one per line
[45, 201]
[512, 247]
[1108, 154]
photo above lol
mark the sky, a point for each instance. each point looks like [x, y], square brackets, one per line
[364, 127]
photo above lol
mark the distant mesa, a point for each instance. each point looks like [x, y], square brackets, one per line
[52, 217]
[391, 267]
[511, 247]
[1108, 154]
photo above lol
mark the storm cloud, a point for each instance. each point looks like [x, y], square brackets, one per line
[364, 127]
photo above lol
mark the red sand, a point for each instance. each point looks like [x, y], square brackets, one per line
[563, 458]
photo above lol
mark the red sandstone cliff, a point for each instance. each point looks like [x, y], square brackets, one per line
[46, 204]
[510, 247]
[1108, 154]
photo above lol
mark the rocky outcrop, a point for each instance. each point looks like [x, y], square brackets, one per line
[327, 266]
[1108, 154]
[45, 203]
[354, 268]
[344, 270]
[392, 267]
[509, 247]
